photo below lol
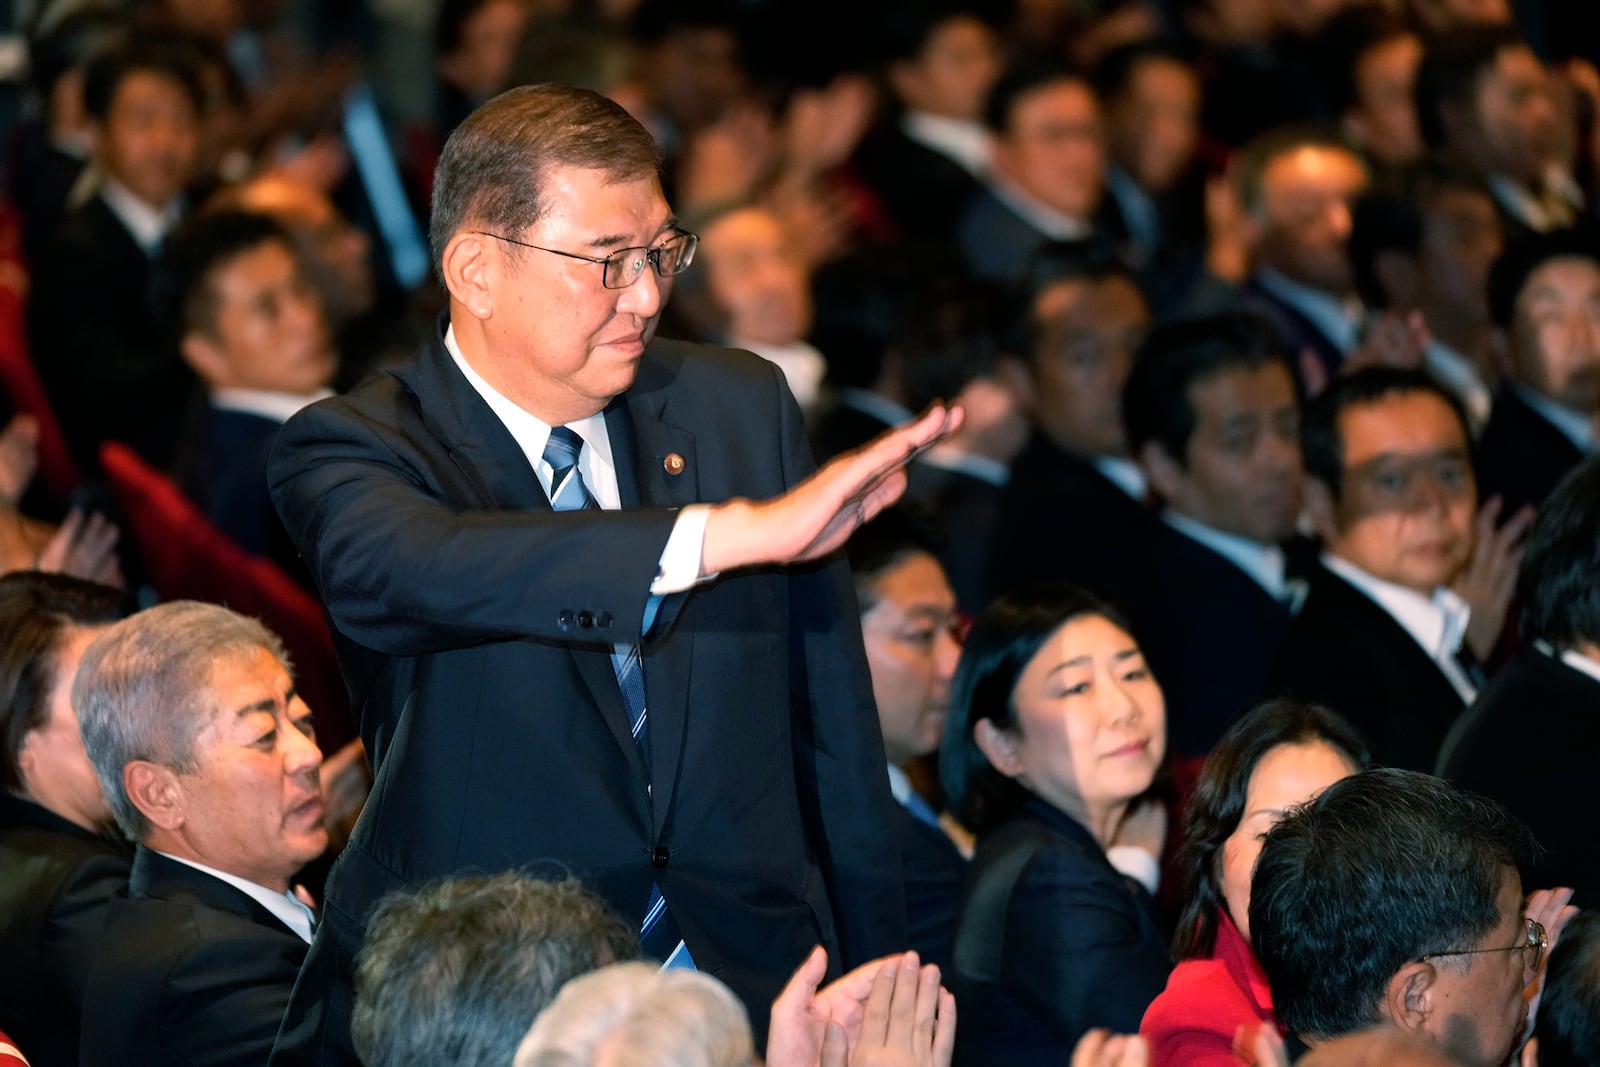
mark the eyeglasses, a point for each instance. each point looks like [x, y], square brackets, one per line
[1534, 941]
[624, 266]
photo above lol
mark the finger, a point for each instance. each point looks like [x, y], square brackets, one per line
[834, 1048]
[1268, 1050]
[1089, 1047]
[801, 988]
[903, 1003]
[56, 551]
[1135, 1052]
[925, 1008]
[944, 1035]
[875, 1015]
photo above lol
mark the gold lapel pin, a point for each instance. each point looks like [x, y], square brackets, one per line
[673, 464]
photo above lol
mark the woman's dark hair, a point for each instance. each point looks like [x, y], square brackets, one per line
[1217, 806]
[35, 607]
[999, 647]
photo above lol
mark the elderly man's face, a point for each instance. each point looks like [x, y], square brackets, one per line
[1304, 216]
[1479, 1007]
[251, 805]
[561, 344]
[1052, 147]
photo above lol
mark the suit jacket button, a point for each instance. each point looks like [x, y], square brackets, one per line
[586, 619]
[565, 620]
[660, 857]
[603, 619]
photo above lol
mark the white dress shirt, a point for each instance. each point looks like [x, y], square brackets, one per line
[278, 407]
[680, 559]
[1041, 216]
[1125, 474]
[295, 915]
[1262, 563]
[966, 143]
[148, 225]
[1437, 623]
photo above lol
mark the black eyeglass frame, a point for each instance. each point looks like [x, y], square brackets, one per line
[617, 261]
[1536, 939]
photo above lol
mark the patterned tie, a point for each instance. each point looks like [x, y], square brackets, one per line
[658, 934]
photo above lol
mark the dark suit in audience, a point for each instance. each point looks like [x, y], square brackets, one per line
[1296, 332]
[192, 971]
[924, 192]
[998, 243]
[933, 870]
[967, 508]
[56, 880]
[1521, 455]
[1345, 651]
[223, 469]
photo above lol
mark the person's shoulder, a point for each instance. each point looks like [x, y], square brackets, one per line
[1201, 1006]
[671, 363]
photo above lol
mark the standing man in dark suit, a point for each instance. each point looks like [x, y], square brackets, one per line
[551, 503]
[207, 760]
[1383, 637]
[1549, 696]
[1211, 413]
[1544, 294]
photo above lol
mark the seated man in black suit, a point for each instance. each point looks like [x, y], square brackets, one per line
[458, 970]
[1393, 898]
[1047, 173]
[1297, 186]
[207, 761]
[250, 325]
[1544, 294]
[1210, 411]
[929, 158]
[1390, 491]
[1549, 695]
[908, 624]
[1074, 508]
[99, 348]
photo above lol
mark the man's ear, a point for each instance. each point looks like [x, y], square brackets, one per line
[1164, 473]
[204, 357]
[469, 265]
[1408, 998]
[999, 746]
[156, 792]
[1321, 509]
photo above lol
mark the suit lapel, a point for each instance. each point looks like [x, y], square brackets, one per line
[656, 468]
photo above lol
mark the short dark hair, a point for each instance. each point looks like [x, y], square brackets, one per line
[1156, 405]
[895, 535]
[1395, 219]
[1568, 1027]
[1449, 72]
[1321, 443]
[1559, 584]
[171, 57]
[36, 609]
[1521, 258]
[1216, 806]
[901, 29]
[450, 25]
[491, 172]
[1019, 80]
[1348, 36]
[1261, 152]
[183, 288]
[998, 648]
[1381, 869]
[1113, 74]
[457, 971]
[1055, 262]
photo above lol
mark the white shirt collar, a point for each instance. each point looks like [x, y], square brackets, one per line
[1041, 216]
[1337, 319]
[899, 785]
[1437, 623]
[1457, 374]
[1263, 563]
[149, 226]
[963, 141]
[533, 433]
[293, 914]
[1523, 203]
[879, 407]
[1125, 474]
[1572, 425]
[802, 365]
[279, 407]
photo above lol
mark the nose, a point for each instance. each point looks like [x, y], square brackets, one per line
[301, 753]
[1339, 219]
[947, 653]
[1124, 709]
[1581, 331]
[645, 296]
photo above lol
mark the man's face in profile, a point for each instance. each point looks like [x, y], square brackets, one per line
[1479, 1009]
[1087, 332]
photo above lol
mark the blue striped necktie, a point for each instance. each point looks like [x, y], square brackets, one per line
[658, 934]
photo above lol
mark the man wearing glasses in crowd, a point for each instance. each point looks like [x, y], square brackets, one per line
[554, 555]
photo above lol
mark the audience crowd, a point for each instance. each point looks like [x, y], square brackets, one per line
[1235, 649]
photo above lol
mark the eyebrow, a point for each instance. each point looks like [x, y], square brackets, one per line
[1085, 660]
[267, 704]
[612, 240]
[1390, 457]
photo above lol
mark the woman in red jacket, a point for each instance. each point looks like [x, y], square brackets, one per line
[1280, 755]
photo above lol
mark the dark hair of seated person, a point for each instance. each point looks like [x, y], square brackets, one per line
[36, 607]
[1568, 1026]
[1002, 642]
[1218, 804]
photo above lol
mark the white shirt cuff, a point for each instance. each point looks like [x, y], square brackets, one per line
[1136, 863]
[679, 567]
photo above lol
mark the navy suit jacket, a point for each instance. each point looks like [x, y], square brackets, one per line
[1521, 455]
[1295, 331]
[475, 627]
[191, 971]
[934, 869]
[56, 882]
[1538, 704]
[224, 471]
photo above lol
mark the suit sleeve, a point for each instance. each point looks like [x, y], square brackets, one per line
[404, 572]
[839, 757]
[74, 931]
[1076, 951]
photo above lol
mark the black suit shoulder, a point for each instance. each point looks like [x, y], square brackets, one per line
[1210, 633]
[192, 971]
[1521, 456]
[1345, 651]
[56, 883]
[923, 191]
[934, 869]
[1531, 741]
